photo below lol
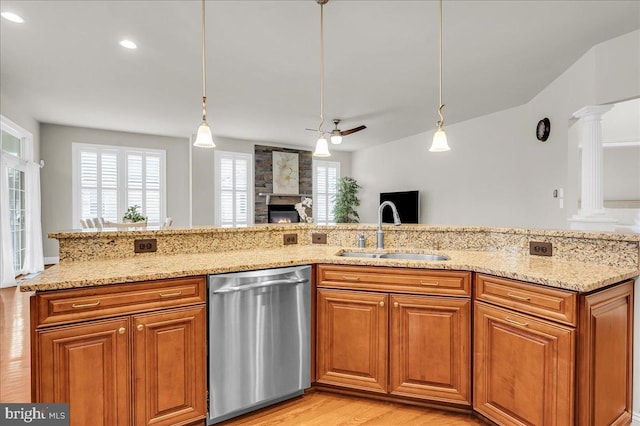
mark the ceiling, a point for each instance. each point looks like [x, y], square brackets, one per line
[64, 63]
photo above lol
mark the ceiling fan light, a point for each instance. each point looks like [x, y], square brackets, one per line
[336, 139]
[322, 149]
[204, 138]
[439, 143]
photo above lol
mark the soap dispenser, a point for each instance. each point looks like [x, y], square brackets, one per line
[361, 240]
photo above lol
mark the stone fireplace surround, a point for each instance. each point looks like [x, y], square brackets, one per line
[263, 173]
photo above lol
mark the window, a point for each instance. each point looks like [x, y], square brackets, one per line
[325, 181]
[109, 179]
[17, 198]
[234, 189]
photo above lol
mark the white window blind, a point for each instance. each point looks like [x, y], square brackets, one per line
[109, 179]
[325, 181]
[234, 189]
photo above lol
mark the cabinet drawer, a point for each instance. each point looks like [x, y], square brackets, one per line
[65, 306]
[550, 303]
[397, 280]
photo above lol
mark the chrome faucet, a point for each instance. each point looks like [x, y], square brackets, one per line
[396, 221]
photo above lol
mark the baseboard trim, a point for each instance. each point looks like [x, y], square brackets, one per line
[51, 260]
[635, 418]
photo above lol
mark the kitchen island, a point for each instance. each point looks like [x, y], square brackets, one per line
[565, 298]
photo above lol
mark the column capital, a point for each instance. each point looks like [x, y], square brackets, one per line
[594, 111]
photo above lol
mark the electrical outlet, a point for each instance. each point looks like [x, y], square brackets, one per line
[319, 238]
[145, 246]
[290, 239]
[540, 249]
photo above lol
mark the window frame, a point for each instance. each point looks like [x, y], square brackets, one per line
[17, 162]
[218, 156]
[122, 187]
[317, 194]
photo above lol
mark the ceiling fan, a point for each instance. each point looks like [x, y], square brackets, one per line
[337, 134]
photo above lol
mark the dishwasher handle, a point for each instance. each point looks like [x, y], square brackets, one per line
[269, 283]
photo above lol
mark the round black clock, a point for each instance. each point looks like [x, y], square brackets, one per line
[543, 129]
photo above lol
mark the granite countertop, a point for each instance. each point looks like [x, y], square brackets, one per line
[571, 275]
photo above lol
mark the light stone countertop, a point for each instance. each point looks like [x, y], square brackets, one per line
[571, 275]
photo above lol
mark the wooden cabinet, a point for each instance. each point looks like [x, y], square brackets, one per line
[605, 357]
[88, 366]
[430, 348]
[131, 369]
[552, 357]
[407, 345]
[169, 366]
[352, 339]
[523, 368]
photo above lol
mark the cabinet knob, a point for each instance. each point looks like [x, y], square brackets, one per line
[381, 303]
[396, 304]
[140, 327]
[121, 330]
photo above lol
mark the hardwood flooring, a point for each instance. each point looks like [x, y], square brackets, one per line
[315, 408]
[324, 409]
[15, 368]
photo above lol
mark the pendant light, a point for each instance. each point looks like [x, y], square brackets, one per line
[439, 143]
[204, 138]
[322, 148]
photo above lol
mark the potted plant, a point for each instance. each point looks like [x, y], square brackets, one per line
[133, 215]
[346, 200]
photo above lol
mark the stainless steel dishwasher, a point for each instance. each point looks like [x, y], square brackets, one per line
[259, 339]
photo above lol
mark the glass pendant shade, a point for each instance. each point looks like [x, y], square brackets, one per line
[439, 142]
[322, 149]
[336, 139]
[204, 139]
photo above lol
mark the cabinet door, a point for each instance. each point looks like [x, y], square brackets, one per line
[524, 368]
[169, 366]
[352, 339]
[430, 340]
[87, 366]
[605, 366]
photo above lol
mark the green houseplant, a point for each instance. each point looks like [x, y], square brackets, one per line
[133, 215]
[346, 200]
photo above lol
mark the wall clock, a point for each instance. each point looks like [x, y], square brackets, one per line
[543, 129]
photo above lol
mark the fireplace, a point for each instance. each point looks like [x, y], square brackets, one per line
[282, 213]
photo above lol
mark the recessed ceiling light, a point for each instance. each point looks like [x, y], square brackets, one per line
[10, 16]
[128, 44]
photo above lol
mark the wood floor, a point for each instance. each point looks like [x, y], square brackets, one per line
[324, 409]
[316, 408]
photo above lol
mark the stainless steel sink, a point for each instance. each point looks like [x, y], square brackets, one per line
[359, 254]
[409, 256]
[414, 256]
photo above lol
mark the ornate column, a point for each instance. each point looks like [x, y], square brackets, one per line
[592, 215]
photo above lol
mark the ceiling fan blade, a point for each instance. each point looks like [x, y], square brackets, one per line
[355, 129]
[315, 130]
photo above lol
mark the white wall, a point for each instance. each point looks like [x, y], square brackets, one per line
[204, 173]
[56, 177]
[497, 173]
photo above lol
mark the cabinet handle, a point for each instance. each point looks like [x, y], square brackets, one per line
[396, 304]
[515, 296]
[521, 324]
[85, 305]
[347, 278]
[121, 330]
[177, 293]
[140, 327]
[435, 284]
[381, 303]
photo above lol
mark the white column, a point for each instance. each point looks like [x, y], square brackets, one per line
[592, 215]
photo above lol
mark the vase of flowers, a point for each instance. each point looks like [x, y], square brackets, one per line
[304, 209]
